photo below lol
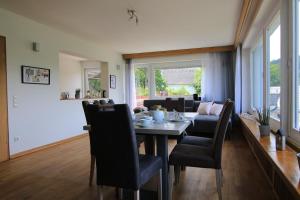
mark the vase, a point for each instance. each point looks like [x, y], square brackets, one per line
[264, 130]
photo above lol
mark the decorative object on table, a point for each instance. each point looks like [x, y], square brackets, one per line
[195, 97]
[88, 94]
[264, 121]
[35, 75]
[104, 93]
[139, 109]
[77, 93]
[280, 140]
[64, 95]
[158, 116]
[112, 81]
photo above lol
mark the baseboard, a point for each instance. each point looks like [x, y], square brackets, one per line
[23, 153]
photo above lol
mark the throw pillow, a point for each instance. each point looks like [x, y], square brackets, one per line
[204, 108]
[216, 109]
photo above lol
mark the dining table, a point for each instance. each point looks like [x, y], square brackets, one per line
[161, 131]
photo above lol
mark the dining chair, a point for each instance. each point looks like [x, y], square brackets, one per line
[117, 159]
[88, 117]
[175, 104]
[203, 141]
[201, 156]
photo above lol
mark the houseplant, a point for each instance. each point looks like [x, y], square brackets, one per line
[264, 121]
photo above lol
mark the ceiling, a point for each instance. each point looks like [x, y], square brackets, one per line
[163, 24]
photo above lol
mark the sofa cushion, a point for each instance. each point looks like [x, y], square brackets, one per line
[216, 109]
[204, 108]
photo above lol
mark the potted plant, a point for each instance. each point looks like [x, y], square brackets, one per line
[264, 121]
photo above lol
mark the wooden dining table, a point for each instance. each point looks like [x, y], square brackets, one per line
[161, 131]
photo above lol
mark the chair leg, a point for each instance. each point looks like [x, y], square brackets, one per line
[159, 189]
[92, 168]
[136, 195]
[171, 180]
[177, 174]
[100, 192]
[219, 182]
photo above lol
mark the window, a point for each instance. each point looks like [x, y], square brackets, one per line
[178, 81]
[92, 82]
[257, 75]
[296, 122]
[273, 68]
[162, 80]
[141, 84]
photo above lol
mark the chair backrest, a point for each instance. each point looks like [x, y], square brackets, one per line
[175, 104]
[89, 116]
[220, 132]
[116, 147]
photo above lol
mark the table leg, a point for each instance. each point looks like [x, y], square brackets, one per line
[149, 145]
[162, 151]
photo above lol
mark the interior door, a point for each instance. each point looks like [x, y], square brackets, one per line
[4, 150]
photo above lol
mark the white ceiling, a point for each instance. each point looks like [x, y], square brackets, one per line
[163, 24]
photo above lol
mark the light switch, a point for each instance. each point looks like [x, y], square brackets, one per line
[15, 102]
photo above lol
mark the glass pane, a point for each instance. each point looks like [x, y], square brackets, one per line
[274, 73]
[297, 76]
[178, 81]
[94, 82]
[257, 76]
[141, 85]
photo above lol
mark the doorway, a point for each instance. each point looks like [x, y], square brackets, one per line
[4, 150]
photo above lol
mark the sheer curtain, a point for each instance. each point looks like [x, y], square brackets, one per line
[217, 79]
[130, 85]
[238, 82]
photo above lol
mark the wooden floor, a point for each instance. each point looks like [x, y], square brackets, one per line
[62, 172]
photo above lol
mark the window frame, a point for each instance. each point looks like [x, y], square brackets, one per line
[271, 27]
[252, 52]
[293, 133]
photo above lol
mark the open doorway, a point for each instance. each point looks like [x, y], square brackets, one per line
[4, 150]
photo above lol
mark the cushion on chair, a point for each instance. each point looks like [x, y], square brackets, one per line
[149, 166]
[191, 155]
[200, 141]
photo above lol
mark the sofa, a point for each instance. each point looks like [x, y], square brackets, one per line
[203, 126]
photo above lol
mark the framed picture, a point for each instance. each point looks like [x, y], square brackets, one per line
[35, 75]
[112, 81]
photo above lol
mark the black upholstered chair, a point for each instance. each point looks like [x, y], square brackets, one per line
[203, 141]
[175, 104]
[201, 156]
[117, 159]
[88, 118]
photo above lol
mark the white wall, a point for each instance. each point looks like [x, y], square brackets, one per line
[70, 75]
[41, 118]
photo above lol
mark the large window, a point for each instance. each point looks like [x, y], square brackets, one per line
[178, 81]
[257, 75]
[273, 68]
[296, 122]
[153, 81]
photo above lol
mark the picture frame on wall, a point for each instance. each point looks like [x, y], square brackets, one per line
[35, 75]
[113, 81]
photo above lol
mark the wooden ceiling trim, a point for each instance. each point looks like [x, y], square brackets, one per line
[249, 12]
[178, 52]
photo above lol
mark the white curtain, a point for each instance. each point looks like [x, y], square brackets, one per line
[238, 82]
[217, 79]
[130, 85]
